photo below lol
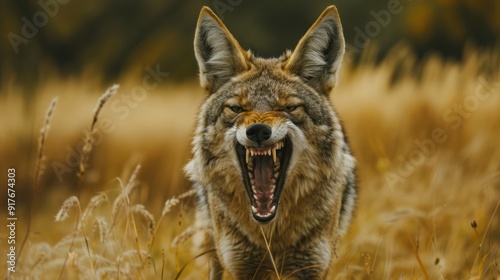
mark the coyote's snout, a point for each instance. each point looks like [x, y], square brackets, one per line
[271, 163]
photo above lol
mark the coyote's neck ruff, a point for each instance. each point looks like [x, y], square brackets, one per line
[273, 170]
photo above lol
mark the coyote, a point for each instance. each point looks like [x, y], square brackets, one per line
[273, 171]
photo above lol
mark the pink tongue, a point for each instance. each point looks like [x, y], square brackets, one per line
[263, 181]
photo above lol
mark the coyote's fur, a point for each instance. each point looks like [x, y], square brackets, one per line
[273, 170]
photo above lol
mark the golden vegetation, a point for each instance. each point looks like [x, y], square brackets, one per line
[429, 175]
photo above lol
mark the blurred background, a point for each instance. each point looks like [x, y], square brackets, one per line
[111, 39]
[411, 68]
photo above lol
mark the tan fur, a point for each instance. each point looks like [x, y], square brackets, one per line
[290, 95]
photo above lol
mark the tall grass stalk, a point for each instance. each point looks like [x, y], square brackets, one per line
[44, 131]
[88, 141]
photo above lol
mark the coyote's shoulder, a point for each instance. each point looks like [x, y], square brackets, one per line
[271, 163]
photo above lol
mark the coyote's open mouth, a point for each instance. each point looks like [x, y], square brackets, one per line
[264, 172]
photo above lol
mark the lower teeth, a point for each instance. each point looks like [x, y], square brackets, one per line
[277, 166]
[271, 211]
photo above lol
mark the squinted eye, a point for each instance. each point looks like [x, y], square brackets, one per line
[290, 108]
[236, 108]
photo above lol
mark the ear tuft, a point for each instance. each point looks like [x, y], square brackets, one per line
[219, 55]
[318, 56]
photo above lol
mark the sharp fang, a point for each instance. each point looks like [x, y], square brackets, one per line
[279, 145]
[274, 155]
[248, 155]
[272, 209]
[254, 209]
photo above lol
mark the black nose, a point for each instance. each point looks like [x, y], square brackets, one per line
[259, 132]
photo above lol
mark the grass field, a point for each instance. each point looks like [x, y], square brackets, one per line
[428, 149]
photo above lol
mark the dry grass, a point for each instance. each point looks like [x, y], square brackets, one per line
[429, 176]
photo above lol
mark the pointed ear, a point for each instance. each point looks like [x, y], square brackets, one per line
[317, 57]
[219, 55]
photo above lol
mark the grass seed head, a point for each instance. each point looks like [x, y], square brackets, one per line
[63, 213]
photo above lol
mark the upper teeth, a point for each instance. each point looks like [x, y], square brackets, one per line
[271, 151]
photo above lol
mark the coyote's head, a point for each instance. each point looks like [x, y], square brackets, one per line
[266, 122]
